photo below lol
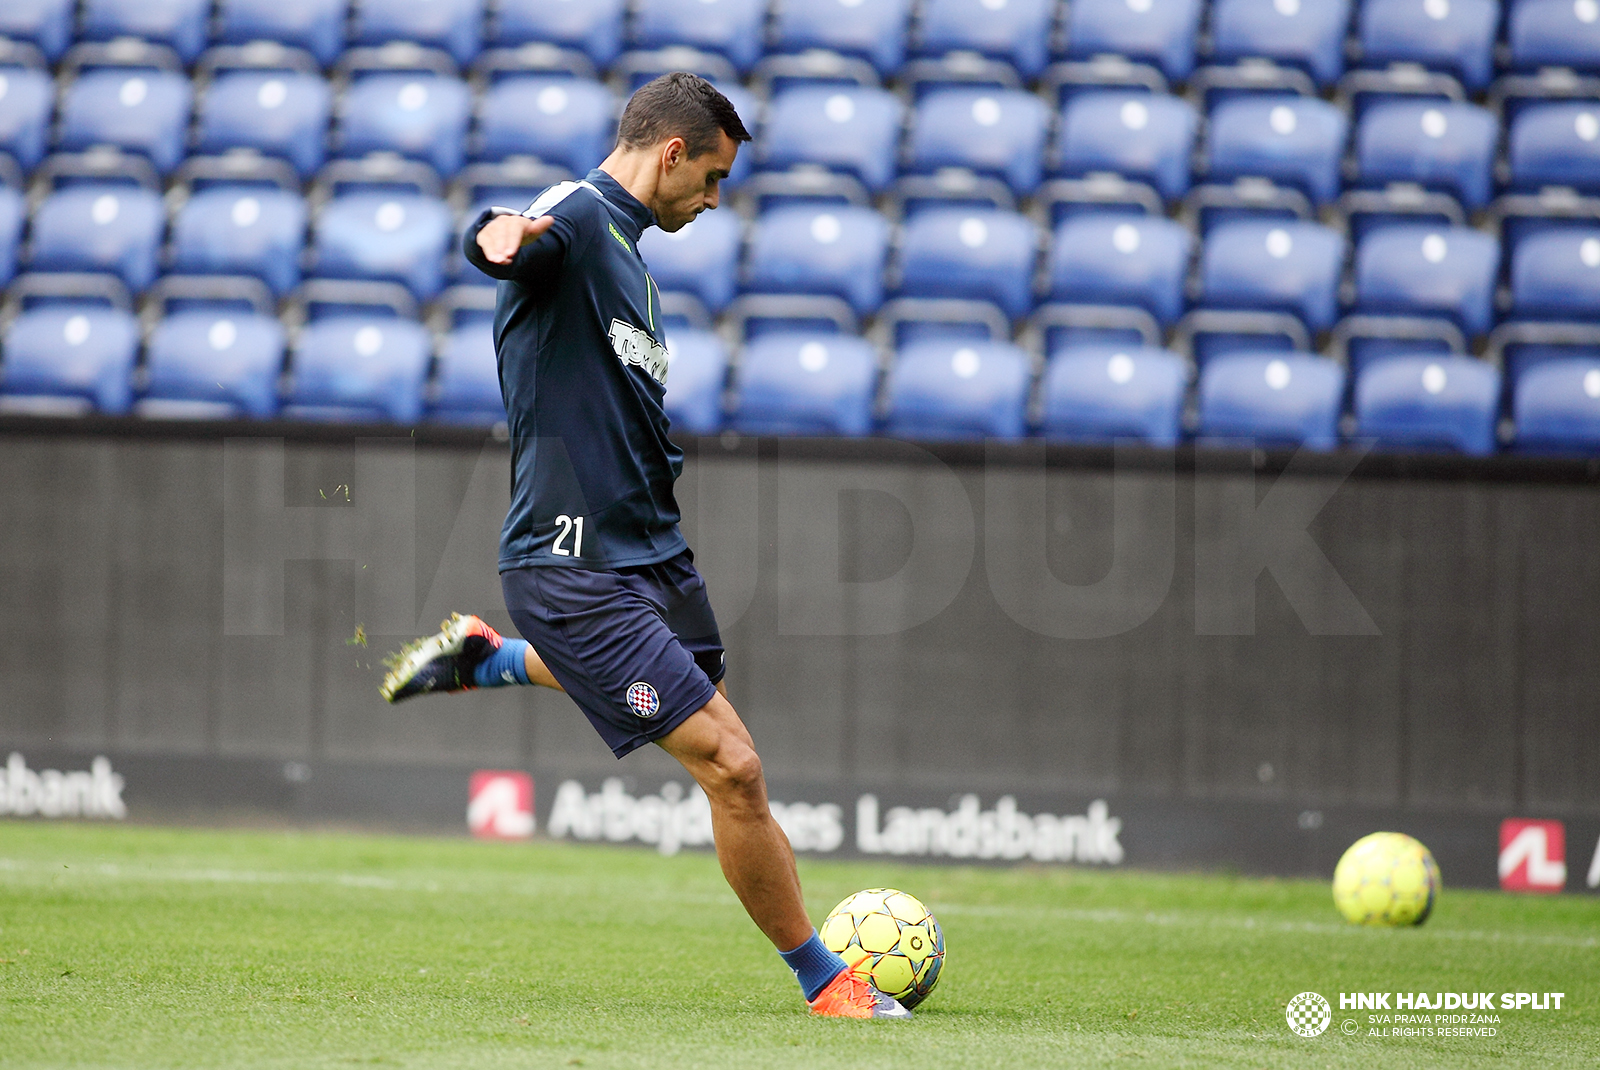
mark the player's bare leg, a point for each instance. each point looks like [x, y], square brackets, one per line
[537, 673]
[716, 749]
[757, 860]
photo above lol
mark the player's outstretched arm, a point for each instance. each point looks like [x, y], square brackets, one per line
[508, 246]
[504, 236]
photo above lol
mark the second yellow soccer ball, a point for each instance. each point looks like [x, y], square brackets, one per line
[1386, 878]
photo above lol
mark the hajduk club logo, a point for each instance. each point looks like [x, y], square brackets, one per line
[500, 804]
[642, 699]
[1308, 1014]
[1533, 855]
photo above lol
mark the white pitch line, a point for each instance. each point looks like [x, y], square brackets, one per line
[1114, 916]
[544, 885]
[213, 876]
[519, 885]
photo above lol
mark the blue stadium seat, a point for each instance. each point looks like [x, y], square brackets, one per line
[1420, 270]
[423, 116]
[566, 121]
[696, 378]
[1292, 140]
[977, 254]
[1161, 32]
[734, 28]
[277, 113]
[1429, 402]
[213, 365]
[1145, 136]
[395, 237]
[93, 227]
[831, 249]
[992, 132]
[1363, 351]
[314, 25]
[1304, 33]
[592, 26]
[958, 389]
[1524, 347]
[1274, 398]
[1120, 260]
[702, 258]
[456, 26]
[466, 386]
[179, 24]
[1456, 36]
[358, 369]
[138, 110]
[26, 99]
[1017, 31]
[13, 213]
[794, 383]
[1102, 393]
[1556, 145]
[44, 23]
[1555, 274]
[1274, 266]
[844, 129]
[1557, 407]
[875, 30]
[70, 356]
[1434, 143]
[1554, 33]
[233, 230]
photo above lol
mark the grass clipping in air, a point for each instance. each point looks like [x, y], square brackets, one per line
[139, 947]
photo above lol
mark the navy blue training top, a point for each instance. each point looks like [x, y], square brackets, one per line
[577, 333]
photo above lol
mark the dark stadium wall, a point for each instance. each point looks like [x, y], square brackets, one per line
[1245, 659]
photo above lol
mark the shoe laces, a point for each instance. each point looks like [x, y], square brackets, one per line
[858, 992]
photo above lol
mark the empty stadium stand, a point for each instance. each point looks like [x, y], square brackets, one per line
[1135, 215]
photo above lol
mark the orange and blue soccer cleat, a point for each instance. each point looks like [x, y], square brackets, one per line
[848, 996]
[440, 662]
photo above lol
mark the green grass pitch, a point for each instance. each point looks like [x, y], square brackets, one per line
[142, 947]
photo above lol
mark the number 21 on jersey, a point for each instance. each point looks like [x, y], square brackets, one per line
[570, 527]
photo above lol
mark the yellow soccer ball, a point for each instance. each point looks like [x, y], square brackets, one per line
[1386, 878]
[890, 939]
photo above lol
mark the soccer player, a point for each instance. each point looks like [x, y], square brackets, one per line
[596, 575]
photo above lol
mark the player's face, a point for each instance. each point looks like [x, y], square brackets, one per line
[690, 186]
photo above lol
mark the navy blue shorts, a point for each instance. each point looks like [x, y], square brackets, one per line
[636, 648]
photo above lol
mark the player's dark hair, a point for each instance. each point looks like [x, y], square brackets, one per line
[679, 105]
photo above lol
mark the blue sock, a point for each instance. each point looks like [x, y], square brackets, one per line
[814, 965]
[505, 666]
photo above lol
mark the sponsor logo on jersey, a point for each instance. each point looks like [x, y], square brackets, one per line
[1533, 855]
[635, 347]
[617, 234]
